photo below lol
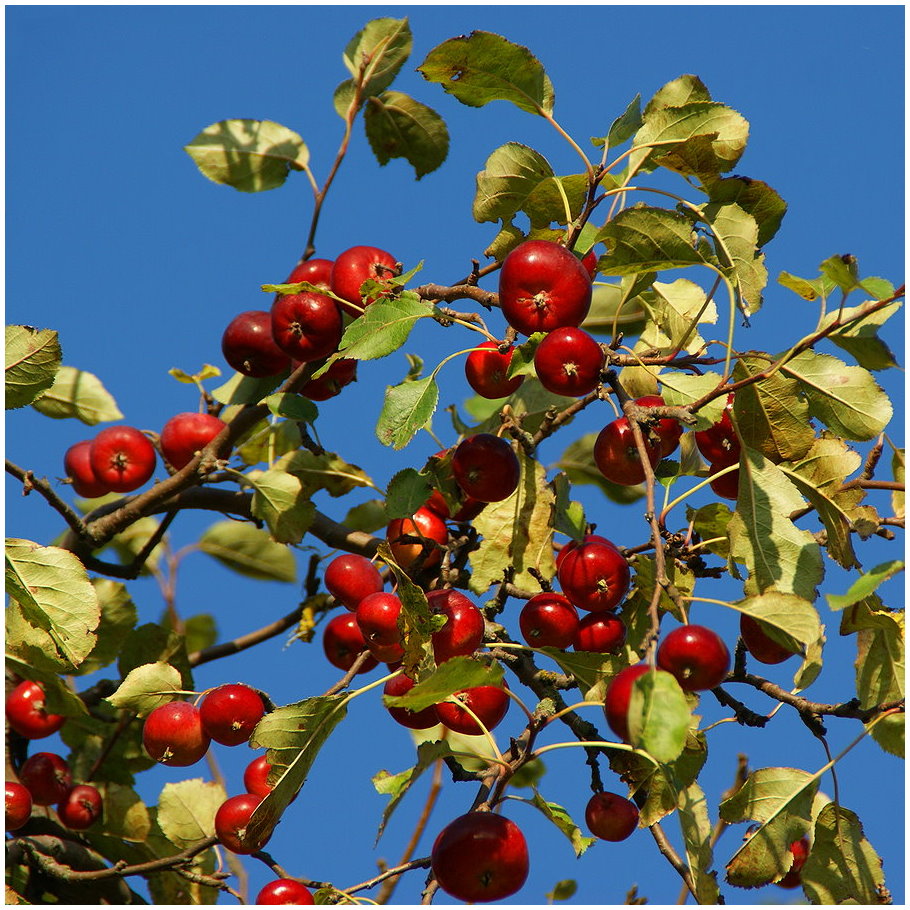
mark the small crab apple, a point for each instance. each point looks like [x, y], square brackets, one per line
[794, 877]
[256, 776]
[719, 443]
[231, 821]
[616, 701]
[341, 373]
[589, 261]
[81, 807]
[285, 891]
[566, 549]
[424, 524]
[486, 467]
[47, 777]
[173, 734]
[727, 485]
[594, 575]
[462, 634]
[317, 272]
[230, 712]
[343, 641]
[759, 644]
[696, 656]
[548, 619]
[610, 816]
[187, 433]
[489, 703]
[18, 805]
[249, 348]
[569, 362]
[78, 467]
[543, 286]
[306, 326]
[26, 713]
[414, 720]
[377, 615]
[487, 371]
[480, 857]
[603, 633]
[356, 265]
[350, 577]
[668, 430]
[616, 454]
[122, 458]
[469, 509]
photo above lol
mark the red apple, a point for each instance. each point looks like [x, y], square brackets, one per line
[78, 466]
[343, 641]
[463, 632]
[186, 434]
[26, 712]
[414, 720]
[548, 620]
[594, 576]
[616, 454]
[306, 326]
[696, 656]
[569, 362]
[356, 265]
[231, 822]
[122, 458]
[249, 348]
[603, 633]
[487, 371]
[610, 816]
[349, 578]
[489, 703]
[486, 467]
[424, 524]
[173, 734]
[759, 644]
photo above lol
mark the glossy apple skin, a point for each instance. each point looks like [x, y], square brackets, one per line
[569, 362]
[800, 850]
[285, 891]
[668, 430]
[317, 271]
[759, 644]
[78, 467]
[727, 485]
[186, 434]
[26, 713]
[353, 267]
[18, 805]
[696, 656]
[350, 577]
[413, 720]
[480, 857]
[173, 734]
[377, 616]
[486, 467]
[231, 819]
[549, 620]
[425, 523]
[343, 641]
[462, 634]
[616, 702]
[489, 703]
[47, 777]
[230, 712]
[542, 286]
[589, 261]
[341, 373]
[719, 443]
[256, 776]
[610, 816]
[80, 808]
[249, 348]
[602, 633]
[122, 458]
[469, 510]
[616, 454]
[594, 576]
[306, 326]
[487, 370]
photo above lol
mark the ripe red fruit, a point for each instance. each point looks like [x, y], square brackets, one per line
[341, 373]
[256, 776]
[603, 633]
[668, 430]
[229, 713]
[462, 634]
[486, 467]
[186, 434]
[173, 734]
[377, 616]
[487, 371]
[47, 777]
[727, 485]
[616, 702]
[610, 816]
[349, 578]
[480, 857]
[800, 850]
[18, 805]
[249, 348]
[356, 265]
[26, 713]
[78, 467]
[589, 261]
[80, 808]
[616, 454]
[696, 656]
[306, 326]
[122, 458]
[414, 720]
[489, 703]
[316, 271]
[759, 644]
[719, 443]
[342, 641]
[231, 820]
[543, 286]
[594, 575]
[548, 620]
[425, 524]
[284, 891]
[569, 362]
[470, 508]
[573, 544]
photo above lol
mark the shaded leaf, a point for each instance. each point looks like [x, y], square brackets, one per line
[659, 716]
[397, 126]
[282, 502]
[186, 810]
[248, 551]
[79, 394]
[563, 821]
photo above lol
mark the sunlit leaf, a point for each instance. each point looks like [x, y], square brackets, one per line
[32, 360]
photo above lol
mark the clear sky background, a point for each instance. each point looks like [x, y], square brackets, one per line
[115, 240]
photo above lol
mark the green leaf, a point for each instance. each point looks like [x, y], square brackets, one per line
[790, 620]
[678, 309]
[406, 409]
[201, 632]
[563, 821]
[659, 716]
[269, 440]
[685, 89]
[865, 585]
[368, 516]
[568, 515]
[593, 671]
[32, 360]
[845, 398]
[152, 643]
[483, 67]
[54, 593]
[626, 125]
[452, 676]
[248, 551]
[146, 688]
[859, 335]
[186, 810]
[407, 491]
[280, 500]
[397, 126]
[328, 471]
[292, 406]
[240, 389]
[563, 890]
[383, 328]
[806, 289]
[736, 244]
[711, 522]
[697, 834]
[509, 177]
[615, 307]
[125, 816]
[249, 155]
[79, 394]
[373, 57]
[762, 202]
[118, 618]
[681, 389]
[881, 661]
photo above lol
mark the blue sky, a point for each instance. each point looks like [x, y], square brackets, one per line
[116, 241]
